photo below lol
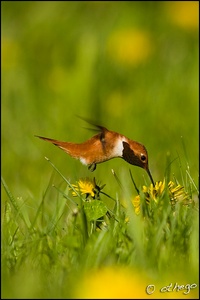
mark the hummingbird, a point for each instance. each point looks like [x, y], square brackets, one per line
[104, 146]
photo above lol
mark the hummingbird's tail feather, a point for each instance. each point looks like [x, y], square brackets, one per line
[63, 145]
[74, 150]
[55, 142]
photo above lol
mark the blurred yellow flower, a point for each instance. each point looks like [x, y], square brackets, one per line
[136, 204]
[112, 283]
[11, 53]
[129, 46]
[184, 13]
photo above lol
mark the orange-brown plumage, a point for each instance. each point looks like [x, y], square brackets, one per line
[104, 146]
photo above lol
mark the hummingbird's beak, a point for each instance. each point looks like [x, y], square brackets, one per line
[149, 173]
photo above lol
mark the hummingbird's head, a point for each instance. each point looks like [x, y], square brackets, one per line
[136, 154]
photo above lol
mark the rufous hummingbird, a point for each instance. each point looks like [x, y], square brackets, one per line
[104, 146]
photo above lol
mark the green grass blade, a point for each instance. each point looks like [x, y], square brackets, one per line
[13, 201]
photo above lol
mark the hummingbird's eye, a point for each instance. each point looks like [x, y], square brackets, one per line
[143, 157]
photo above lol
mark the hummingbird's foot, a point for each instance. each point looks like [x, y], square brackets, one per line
[92, 167]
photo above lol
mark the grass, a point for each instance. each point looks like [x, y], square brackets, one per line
[53, 250]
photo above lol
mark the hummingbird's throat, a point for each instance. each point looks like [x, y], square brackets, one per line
[129, 156]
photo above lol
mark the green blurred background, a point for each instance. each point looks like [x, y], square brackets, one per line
[130, 66]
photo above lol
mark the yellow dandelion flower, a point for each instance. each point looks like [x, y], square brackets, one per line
[87, 187]
[154, 192]
[151, 193]
[84, 186]
[177, 193]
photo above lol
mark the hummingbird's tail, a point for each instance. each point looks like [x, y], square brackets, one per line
[70, 148]
[63, 145]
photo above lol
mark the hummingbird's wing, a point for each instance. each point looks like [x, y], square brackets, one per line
[93, 123]
[101, 129]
